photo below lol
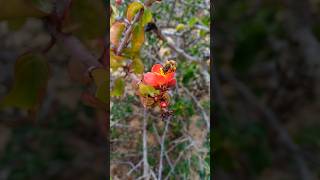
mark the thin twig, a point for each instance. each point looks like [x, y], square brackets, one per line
[171, 12]
[128, 32]
[159, 140]
[177, 160]
[203, 112]
[134, 168]
[148, 3]
[145, 147]
[185, 55]
[174, 47]
[162, 148]
[176, 144]
[153, 174]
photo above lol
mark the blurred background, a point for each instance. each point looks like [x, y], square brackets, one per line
[185, 24]
[67, 139]
[266, 89]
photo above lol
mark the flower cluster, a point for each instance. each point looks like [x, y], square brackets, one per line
[159, 77]
[153, 89]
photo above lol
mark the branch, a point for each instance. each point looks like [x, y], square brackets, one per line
[162, 148]
[148, 3]
[159, 140]
[176, 162]
[203, 112]
[183, 54]
[174, 47]
[134, 168]
[145, 148]
[128, 32]
[129, 29]
[273, 122]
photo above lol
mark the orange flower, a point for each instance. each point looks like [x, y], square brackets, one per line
[158, 78]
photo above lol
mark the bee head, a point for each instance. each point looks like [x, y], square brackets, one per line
[169, 66]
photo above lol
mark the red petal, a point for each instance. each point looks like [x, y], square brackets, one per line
[172, 82]
[156, 68]
[169, 76]
[161, 80]
[150, 79]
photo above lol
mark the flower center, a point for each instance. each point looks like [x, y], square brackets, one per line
[162, 72]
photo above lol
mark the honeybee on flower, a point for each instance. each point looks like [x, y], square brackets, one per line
[161, 76]
[155, 84]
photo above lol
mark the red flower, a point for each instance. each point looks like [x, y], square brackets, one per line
[158, 78]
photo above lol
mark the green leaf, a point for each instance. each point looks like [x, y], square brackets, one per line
[147, 90]
[118, 88]
[137, 66]
[137, 38]
[10, 9]
[100, 77]
[129, 53]
[147, 17]
[115, 61]
[202, 33]
[30, 80]
[138, 31]
[133, 9]
[193, 21]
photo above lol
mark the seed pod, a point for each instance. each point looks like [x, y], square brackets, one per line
[147, 101]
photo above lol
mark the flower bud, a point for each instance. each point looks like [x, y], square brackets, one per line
[163, 104]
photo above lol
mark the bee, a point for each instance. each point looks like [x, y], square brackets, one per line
[169, 66]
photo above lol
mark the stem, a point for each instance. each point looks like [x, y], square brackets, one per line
[145, 147]
[148, 3]
[177, 160]
[128, 32]
[159, 140]
[162, 149]
[203, 112]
